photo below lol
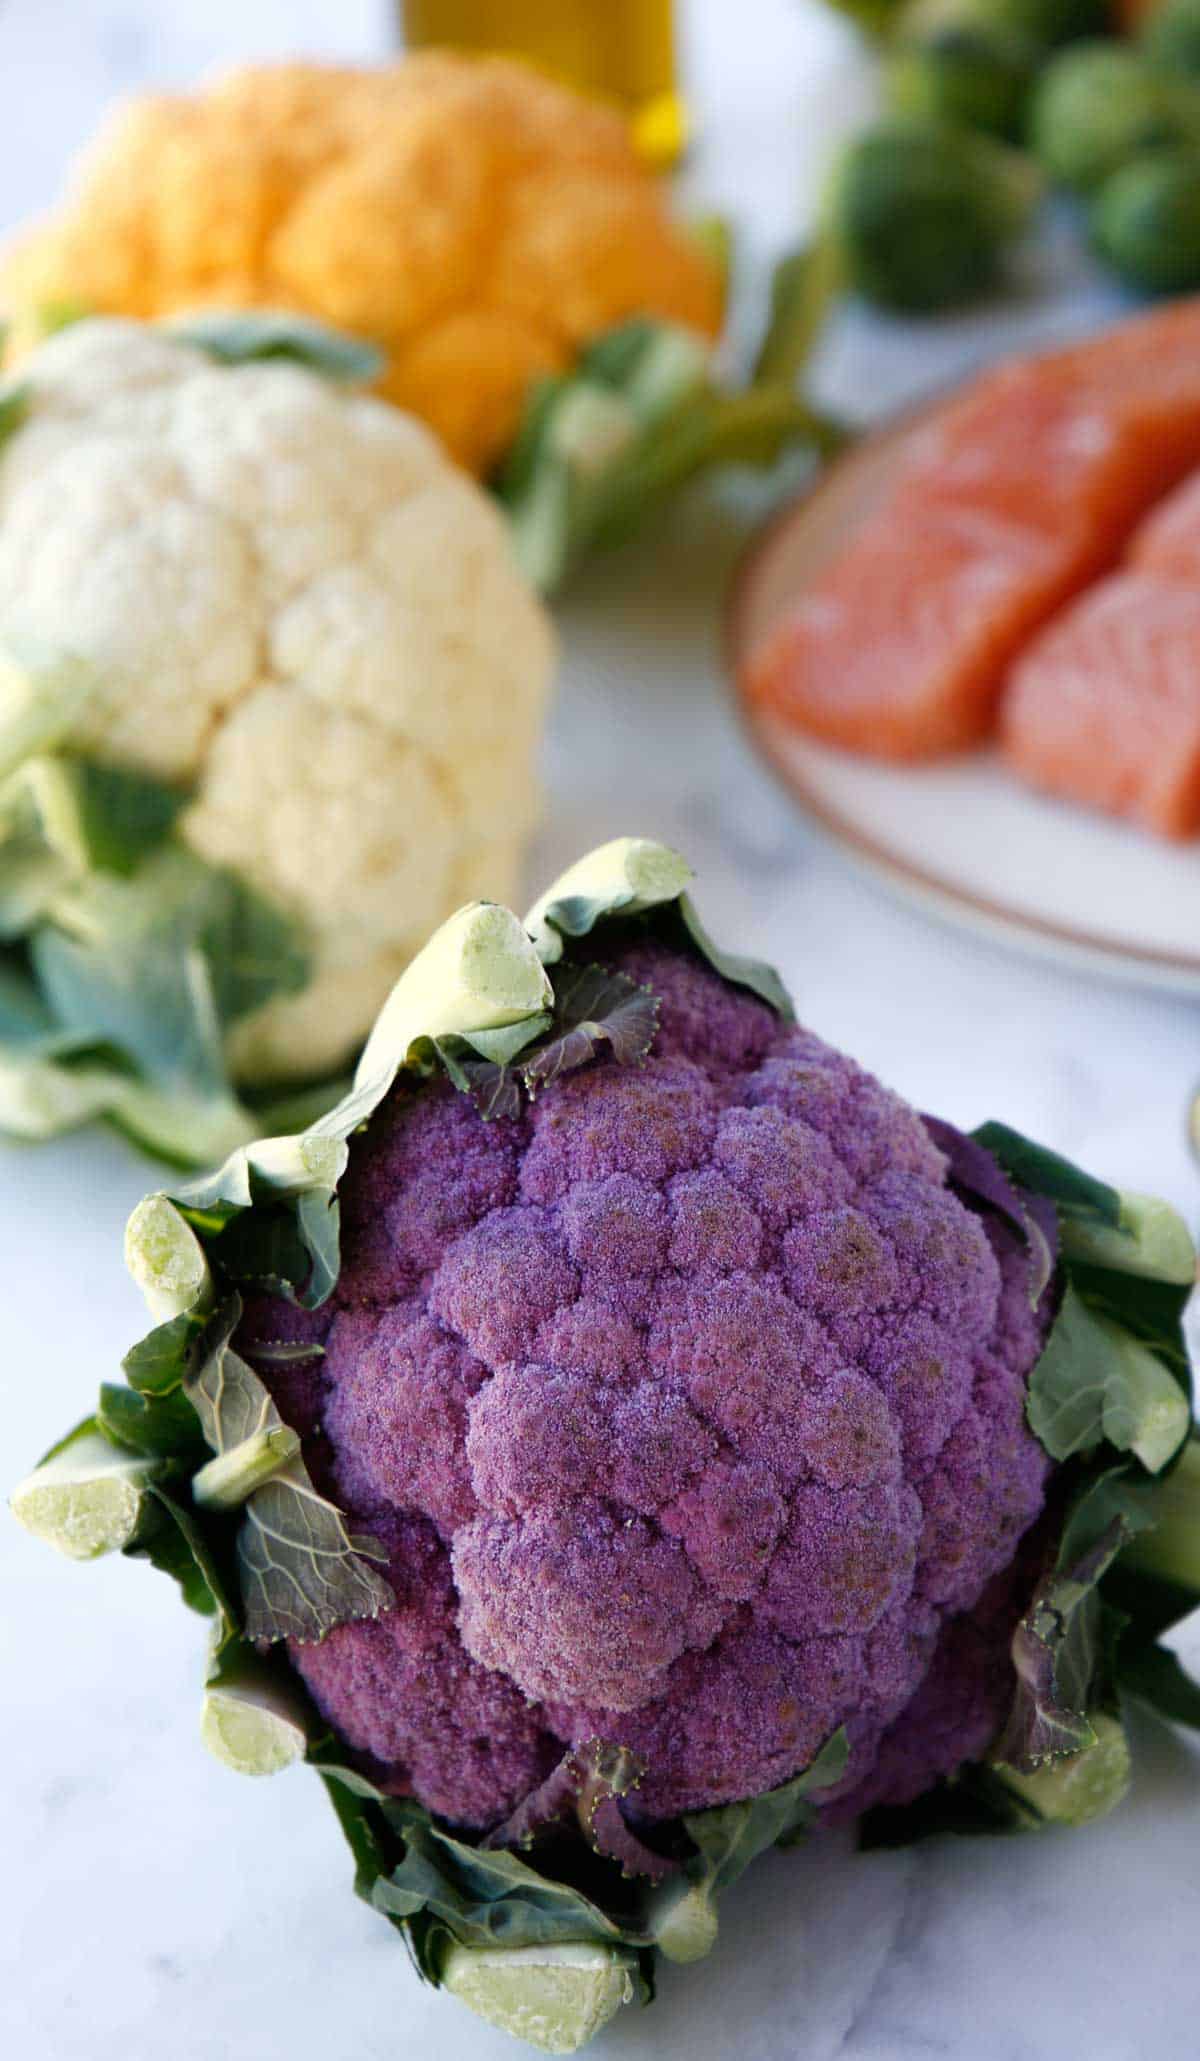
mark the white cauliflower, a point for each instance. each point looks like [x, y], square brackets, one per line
[290, 603]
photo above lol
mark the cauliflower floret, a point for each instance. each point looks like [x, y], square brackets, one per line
[713, 1392]
[105, 551]
[347, 820]
[474, 219]
[293, 604]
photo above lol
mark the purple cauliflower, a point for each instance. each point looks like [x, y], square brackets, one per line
[689, 1406]
[621, 1435]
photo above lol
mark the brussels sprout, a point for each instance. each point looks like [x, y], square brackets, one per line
[1171, 36]
[922, 215]
[962, 72]
[1042, 23]
[1098, 106]
[1045, 23]
[1146, 222]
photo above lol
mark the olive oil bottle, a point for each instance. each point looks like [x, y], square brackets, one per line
[621, 49]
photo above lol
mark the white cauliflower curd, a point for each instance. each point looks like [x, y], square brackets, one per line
[292, 606]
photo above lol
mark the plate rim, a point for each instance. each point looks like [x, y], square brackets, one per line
[1135, 965]
[1043, 937]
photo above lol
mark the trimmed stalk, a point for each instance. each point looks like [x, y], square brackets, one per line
[1151, 1241]
[87, 1498]
[684, 1920]
[226, 1481]
[314, 1159]
[478, 973]
[248, 1735]
[248, 1721]
[1079, 1787]
[627, 877]
[556, 1998]
[166, 1259]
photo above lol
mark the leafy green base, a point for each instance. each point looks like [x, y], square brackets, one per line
[603, 446]
[125, 961]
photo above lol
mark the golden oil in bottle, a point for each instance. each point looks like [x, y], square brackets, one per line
[621, 49]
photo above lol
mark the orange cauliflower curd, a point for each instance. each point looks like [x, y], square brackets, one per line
[475, 221]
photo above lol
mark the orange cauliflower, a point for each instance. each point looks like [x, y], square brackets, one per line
[475, 221]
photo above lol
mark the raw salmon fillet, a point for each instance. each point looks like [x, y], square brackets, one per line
[897, 651]
[1168, 542]
[1033, 444]
[1005, 505]
[1104, 706]
[1152, 362]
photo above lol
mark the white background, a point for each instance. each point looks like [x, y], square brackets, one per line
[150, 1902]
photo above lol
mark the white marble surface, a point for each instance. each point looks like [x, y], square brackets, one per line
[151, 1902]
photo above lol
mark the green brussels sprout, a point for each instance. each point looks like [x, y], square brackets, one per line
[1146, 222]
[1045, 23]
[1102, 104]
[1171, 37]
[922, 215]
[961, 72]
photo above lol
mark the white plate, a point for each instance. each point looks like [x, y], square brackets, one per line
[963, 836]
[965, 839]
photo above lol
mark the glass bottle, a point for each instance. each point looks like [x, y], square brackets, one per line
[621, 49]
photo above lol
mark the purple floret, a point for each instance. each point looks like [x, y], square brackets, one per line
[399, 1390]
[960, 1705]
[415, 1185]
[405, 1693]
[580, 1602]
[846, 1555]
[729, 1521]
[502, 1279]
[748, 1360]
[537, 1436]
[840, 1264]
[690, 1403]
[755, 1694]
[714, 1230]
[651, 1121]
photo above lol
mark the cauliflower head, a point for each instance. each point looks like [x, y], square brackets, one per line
[690, 1406]
[292, 606]
[676, 1441]
[477, 222]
